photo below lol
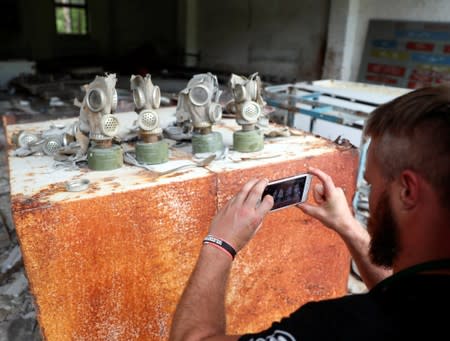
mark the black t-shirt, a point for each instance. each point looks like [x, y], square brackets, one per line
[413, 307]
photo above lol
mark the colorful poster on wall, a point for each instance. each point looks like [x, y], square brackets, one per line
[406, 54]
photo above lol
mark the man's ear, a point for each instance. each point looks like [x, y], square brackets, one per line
[409, 188]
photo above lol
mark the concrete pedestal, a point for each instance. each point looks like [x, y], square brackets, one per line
[110, 263]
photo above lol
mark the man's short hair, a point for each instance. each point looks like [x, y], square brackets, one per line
[413, 132]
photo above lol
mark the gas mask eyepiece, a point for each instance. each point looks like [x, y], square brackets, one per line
[239, 93]
[215, 112]
[199, 95]
[96, 99]
[146, 95]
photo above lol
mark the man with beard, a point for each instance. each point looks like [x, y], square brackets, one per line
[404, 258]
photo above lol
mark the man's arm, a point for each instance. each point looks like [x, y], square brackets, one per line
[200, 314]
[334, 212]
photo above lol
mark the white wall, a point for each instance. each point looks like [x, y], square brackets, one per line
[349, 21]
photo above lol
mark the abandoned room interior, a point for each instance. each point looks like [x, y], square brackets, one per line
[126, 126]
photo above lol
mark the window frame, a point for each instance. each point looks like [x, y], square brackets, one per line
[59, 4]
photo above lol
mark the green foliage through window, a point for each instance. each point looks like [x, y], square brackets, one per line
[71, 17]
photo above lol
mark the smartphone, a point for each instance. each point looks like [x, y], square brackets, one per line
[288, 191]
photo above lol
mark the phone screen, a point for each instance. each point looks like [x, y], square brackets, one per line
[289, 191]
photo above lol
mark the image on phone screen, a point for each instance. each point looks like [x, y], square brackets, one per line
[288, 191]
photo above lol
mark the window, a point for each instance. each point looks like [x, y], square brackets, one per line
[71, 17]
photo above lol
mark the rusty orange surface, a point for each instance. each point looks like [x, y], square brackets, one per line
[293, 258]
[113, 267]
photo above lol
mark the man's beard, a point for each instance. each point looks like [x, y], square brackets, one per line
[383, 230]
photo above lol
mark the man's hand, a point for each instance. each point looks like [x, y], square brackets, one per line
[333, 211]
[240, 218]
[332, 208]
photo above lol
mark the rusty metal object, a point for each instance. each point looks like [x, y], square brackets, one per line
[149, 137]
[96, 277]
[110, 263]
[77, 185]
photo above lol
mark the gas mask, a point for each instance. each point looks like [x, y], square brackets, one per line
[247, 105]
[146, 95]
[151, 149]
[98, 104]
[199, 103]
[48, 142]
[97, 121]
[147, 98]
[248, 102]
